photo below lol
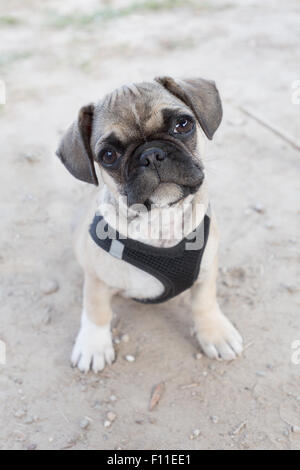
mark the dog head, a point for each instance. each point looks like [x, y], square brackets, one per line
[144, 139]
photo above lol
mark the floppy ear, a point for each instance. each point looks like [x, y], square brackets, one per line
[201, 96]
[75, 150]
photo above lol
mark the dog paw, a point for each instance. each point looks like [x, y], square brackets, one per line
[93, 347]
[218, 338]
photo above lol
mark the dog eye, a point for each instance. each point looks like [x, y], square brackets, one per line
[109, 156]
[183, 125]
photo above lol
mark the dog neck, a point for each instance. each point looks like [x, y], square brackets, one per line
[160, 226]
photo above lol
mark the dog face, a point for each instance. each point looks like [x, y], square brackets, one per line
[143, 140]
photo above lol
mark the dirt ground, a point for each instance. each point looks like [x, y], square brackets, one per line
[55, 57]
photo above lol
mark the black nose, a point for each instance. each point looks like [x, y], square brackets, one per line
[152, 156]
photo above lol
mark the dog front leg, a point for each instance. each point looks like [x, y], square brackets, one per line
[93, 347]
[218, 338]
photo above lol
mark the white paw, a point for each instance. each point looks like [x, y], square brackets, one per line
[93, 347]
[218, 338]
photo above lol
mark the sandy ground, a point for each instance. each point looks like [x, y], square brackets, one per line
[53, 61]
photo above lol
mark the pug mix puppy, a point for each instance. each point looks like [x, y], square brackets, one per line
[144, 144]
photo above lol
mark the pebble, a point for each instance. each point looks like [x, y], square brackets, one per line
[49, 286]
[107, 423]
[84, 423]
[214, 419]
[20, 413]
[261, 373]
[291, 289]
[125, 338]
[111, 416]
[195, 433]
[30, 157]
[29, 420]
[46, 318]
[295, 428]
[130, 358]
[18, 381]
[31, 447]
[73, 440]
[198, 356]
[113, 398]
[97, 405]
[258, 208]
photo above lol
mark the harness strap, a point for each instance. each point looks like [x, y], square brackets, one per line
[176, 267]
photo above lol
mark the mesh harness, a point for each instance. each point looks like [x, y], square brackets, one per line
[177, 267]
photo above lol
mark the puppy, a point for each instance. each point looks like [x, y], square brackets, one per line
[143, 147]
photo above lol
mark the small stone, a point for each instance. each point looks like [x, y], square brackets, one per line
[84, 423]
[116, 340]
[261, 373]
[30, 157]
[31, 447]
[295, 428]
[113, 398]
[46, 318]
[49, 286]
[130, 358]
[73, 440]
[125, 338]
[195, 433]
[107, 423]
[18, 381]
[50, 439]
[214, 419]
[111, 416]
[258, 208]
[291, 289]
[29, 420]
[20, 413]
[198, 356]
[97, 405]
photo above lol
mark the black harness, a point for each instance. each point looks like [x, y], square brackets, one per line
[177, 267]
